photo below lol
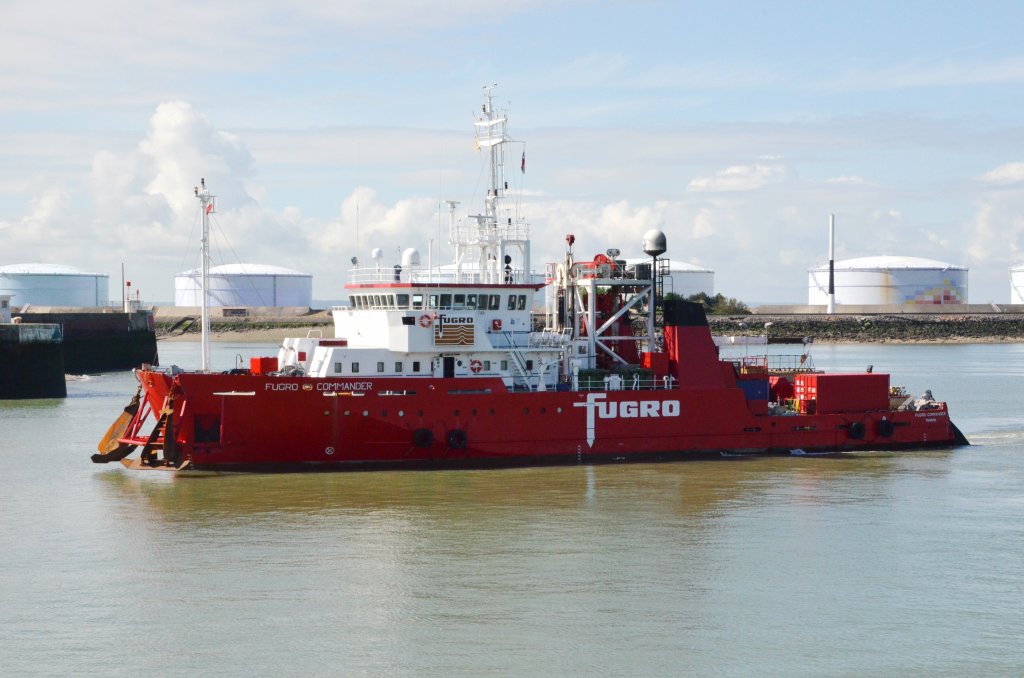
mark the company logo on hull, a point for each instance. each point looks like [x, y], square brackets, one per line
[454, 331]
[624, 409]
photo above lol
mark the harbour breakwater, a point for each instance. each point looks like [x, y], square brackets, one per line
[879, 328]
[882, 328]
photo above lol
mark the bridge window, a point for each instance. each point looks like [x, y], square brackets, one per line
[433, 301]
[446, 301]
[403, 301]
[470, 301]
[521, 302]
[511, 302]
[417, 301]
[460, 301]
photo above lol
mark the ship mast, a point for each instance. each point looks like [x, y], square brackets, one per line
[491, 237]
[207, 204]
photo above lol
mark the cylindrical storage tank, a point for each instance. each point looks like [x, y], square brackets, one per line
[683, 279]
[246, 285]
[1017, 284]
[887, 280]
[54, 285]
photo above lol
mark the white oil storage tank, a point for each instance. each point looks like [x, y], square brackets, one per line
[1017, 284]
[249, 285]
[683, 279]
[54, 285]
[887, 280]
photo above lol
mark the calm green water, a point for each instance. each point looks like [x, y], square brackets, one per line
[877, 565]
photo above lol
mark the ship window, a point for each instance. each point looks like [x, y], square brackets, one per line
[455, 413]
[355, 368]
[446, 301]
[433, 301]
[529, 364]
[543, 410]
[417, 301]
[389, 300]
[415, 365]
[470, 301]
[504, 366]
[338, 367]
[521, 302]
[460, 301]
[511, 302]
[473, 412]
[380, 367]
[487, 365]
[376, 301]
[403, 301]
[398, 367]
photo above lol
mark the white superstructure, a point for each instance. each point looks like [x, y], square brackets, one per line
[53, 285]
[246, 285]
[885, 280]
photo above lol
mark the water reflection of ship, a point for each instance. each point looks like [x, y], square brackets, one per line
[525, 494]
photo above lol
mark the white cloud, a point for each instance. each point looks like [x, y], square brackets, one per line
[1004, 175]
[739, 178]
[916, 74]
[846, 181]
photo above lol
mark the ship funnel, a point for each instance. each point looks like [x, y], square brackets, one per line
[654, 243]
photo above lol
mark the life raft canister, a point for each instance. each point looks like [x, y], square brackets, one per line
[475, 366]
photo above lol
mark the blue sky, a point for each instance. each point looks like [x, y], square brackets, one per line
[735, 127]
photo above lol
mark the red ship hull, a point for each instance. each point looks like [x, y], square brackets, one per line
[253, 422]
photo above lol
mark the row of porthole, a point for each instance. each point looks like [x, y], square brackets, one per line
[473, 413]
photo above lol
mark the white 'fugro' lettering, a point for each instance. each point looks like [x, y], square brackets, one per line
[624, 409]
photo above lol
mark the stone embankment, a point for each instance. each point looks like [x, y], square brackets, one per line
[894, 328]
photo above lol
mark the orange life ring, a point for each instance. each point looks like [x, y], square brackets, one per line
[426, 320]
[475, 366]
[496, 325]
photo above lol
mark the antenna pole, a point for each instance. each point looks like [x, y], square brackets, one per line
[207, 205]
